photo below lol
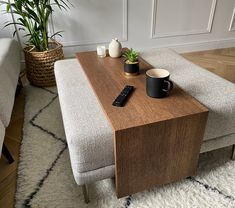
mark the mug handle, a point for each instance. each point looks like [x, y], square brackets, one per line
[169, 87]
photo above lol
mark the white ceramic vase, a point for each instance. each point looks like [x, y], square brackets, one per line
[115, 48]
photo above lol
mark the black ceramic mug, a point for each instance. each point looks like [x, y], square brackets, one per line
[158, 84]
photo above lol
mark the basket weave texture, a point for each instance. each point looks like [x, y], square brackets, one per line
[40, 65]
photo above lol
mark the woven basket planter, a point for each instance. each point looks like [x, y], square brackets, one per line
[40, 65]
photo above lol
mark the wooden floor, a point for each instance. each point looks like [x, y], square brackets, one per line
[12, 140]
[221, 62]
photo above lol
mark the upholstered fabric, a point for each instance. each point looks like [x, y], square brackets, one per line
[2, 135]
[88, 133]
[9, 73]
[216, 93]
[95, 175]
[217, 143]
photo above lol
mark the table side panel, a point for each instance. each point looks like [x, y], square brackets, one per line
[158, 153]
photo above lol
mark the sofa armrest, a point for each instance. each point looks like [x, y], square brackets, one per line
[9, 74]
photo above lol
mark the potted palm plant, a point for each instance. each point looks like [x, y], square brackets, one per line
[42, 50]
[131, 64]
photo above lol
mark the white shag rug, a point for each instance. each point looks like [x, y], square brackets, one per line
[45, 178]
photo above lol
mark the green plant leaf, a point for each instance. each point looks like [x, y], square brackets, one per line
[33, 18]
[57, 33]
[131, 55]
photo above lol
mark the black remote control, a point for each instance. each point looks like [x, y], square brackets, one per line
[123, 96]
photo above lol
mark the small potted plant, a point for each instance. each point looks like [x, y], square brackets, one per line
[131, 64]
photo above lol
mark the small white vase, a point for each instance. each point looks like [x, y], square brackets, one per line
[115, 48]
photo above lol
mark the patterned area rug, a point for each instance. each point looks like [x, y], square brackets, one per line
[45, 178]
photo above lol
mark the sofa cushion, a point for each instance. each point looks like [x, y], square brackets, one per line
[9, 73]
[216, 93]
[87, 130]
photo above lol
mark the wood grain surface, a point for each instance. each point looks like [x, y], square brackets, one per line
[107, 79]
[157, 154]
[156, 141]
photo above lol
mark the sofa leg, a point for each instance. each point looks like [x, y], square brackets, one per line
[7, 154]
[85, 194]
[233, 153]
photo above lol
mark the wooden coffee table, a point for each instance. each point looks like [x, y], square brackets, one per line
[156, 141]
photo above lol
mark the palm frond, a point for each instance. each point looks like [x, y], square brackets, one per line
[33, 18]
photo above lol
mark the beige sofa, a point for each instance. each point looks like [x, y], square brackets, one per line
[9, 74]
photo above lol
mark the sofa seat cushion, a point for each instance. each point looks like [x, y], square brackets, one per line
[88, 133]
[9, 73]
[216, 93]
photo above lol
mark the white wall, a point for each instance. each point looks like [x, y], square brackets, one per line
[185, 25]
